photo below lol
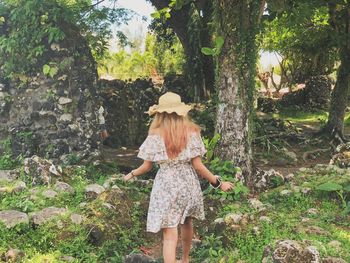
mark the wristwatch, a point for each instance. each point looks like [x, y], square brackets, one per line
[218, 182]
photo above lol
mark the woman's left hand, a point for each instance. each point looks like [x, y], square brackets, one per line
[128, 177]
[226, 186]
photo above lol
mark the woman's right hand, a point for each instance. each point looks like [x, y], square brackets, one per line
[128, 177]
[226, 186]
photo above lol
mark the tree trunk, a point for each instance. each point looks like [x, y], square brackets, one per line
[238, 22]
[339, 100]
[200, 67]
[340, 21]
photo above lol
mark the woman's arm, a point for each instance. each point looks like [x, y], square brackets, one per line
[142, 169]
[205, 173]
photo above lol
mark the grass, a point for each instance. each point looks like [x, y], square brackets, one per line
[296, 116]
[286, 213]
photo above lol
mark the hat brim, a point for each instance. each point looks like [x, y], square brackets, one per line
[181, 110]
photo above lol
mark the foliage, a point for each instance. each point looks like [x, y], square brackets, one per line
[156, 60]
[219, 42]
[7, 160]
[301, 34]
[210, 249]
[23, 49]
[226, 170]
[340, 190]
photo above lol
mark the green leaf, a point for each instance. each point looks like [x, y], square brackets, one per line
[46, 69]
[329, 187]
[347, 188]
[207, 51]
[219, 42]
[155, 15]
[53, 71]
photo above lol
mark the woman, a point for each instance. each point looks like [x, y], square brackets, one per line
[174, 142]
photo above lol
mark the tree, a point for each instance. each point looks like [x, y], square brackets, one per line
[190, 21]
[339, 16]
[237, 22]
[25, 49]
[301, 34]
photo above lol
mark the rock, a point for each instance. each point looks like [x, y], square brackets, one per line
[287, 251]
[12, 218]
[49, 194]
[311, 254]
[66, 117]
[40, 170]
[341, 158]
[92, 191]
[305, 190]
[117, 189]
[64, 100]
[14, 255]
[305, 219]
[8, 175]
[256, 230]
[289, 154]
[256, 204]
[286, 192]
[19, 187]
[77, 219]
[68, 259]
[196, 243]
[108, 206]
[64, 187]
[138, 258]
[295, 188]
[219, 225]
[267, 179]
[109, 182]
[335, 244]
[312, 211]
[289, 177]
[233, 218]
[96, 235]
[333, 260]
[46, 214]
[313, 230]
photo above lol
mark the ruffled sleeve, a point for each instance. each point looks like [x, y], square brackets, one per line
[152, 149]
[196, 146]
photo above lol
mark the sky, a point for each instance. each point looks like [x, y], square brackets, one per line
[137, 25]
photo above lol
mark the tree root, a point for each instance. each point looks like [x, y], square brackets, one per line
[306, 154]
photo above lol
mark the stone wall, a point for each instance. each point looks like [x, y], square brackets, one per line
[53, 117]
[126, 103]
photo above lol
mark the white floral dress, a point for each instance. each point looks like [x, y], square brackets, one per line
[176, 192]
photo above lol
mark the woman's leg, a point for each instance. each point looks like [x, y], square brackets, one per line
[170, 236]
[186, 238]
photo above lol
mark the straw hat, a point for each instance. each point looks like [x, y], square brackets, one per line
[170, 102]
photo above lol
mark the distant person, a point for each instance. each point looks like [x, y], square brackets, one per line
[174, 142]
[102, 122]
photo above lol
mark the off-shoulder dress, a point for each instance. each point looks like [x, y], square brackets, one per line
[176, 192]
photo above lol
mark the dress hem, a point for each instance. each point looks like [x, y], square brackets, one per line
[181, 222]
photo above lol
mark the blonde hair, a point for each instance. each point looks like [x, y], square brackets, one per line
[175, 130]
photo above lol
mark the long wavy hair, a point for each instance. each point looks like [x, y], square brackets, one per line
[175, 130]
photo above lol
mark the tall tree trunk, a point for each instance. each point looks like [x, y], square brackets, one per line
[200, 67]
[237, 22]
[339, 100]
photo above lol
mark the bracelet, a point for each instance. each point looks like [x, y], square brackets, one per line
[132, 173]
[218, 182]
